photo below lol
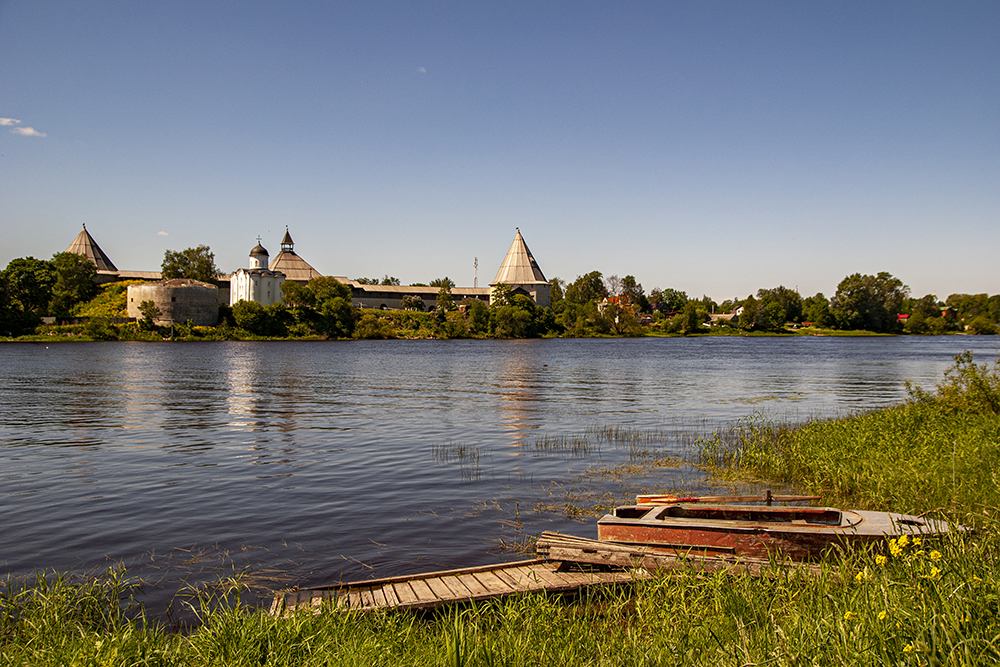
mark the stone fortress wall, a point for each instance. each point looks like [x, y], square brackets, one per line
[179, 300]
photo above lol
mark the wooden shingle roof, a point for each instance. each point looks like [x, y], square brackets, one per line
[519, 266]
[84, 244]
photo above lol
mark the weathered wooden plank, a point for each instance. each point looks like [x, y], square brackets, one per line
[440, 573]
[404, 593]
[366, 598]
[390, 595]
[470, 582]
[457, 588]
[378, 597]
[441, 590]
[423, 591]
[493, 583]
[526, 578]
[549, 580]
[354, 599]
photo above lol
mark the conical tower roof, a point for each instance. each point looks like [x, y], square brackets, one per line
[84, 244]
[519, 266]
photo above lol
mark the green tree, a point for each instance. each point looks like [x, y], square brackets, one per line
[518, 318]
[633, 293]
[338, 317]
[28, 284]
[981, 325]
[750, 316]
[672, 300]
[149, 312]
[445, 301]
[443, 282]
[252, 317]
[327, 287]
[787, 300]
[74, 282]
[816, 309]
[557, 291]
[478, 314]
[869, 302]
[389, 280]
[411, 302]
[366, 281]
[927, 306]
[692, 318]
[586, 288]
[296, 295]
[193, 263]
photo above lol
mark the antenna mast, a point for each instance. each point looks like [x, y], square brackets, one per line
[475, 265]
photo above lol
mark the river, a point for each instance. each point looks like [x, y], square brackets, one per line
[309, 462]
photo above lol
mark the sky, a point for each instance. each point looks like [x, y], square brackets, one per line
[711, 147]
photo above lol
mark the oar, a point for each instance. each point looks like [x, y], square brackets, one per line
[653, 499]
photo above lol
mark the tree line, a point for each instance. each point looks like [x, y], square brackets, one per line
[591, 305]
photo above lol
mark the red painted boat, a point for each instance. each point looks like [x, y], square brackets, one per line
[754, 530]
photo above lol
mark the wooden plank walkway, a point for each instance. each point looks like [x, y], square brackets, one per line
[435, 589]
[619, 563]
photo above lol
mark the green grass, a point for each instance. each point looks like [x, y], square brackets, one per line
[933, 603]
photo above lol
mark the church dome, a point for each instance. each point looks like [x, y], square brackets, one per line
[259, 250]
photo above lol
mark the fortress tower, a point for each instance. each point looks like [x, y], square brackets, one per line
[84, 244]
[520, 272]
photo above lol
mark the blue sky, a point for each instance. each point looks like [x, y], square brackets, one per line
[713, 147]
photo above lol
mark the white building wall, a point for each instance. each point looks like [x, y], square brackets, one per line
[257, 285]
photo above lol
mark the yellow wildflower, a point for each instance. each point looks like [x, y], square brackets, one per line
[882, 615]
[977, 579]
[903, 541]
[863, 575]
[848, 615]
[935, 555]
[908, 648]
[935, 572]
[916, 541]
[880, 560]
[895, 548]
[920, 553]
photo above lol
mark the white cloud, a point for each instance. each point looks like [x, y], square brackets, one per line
[422, 70]
[9, 121]
[27, 132]
[162, 234]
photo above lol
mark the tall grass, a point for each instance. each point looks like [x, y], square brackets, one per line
[938, 451]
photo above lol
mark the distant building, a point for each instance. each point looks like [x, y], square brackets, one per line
[520, 272]
[179, 300]
[291, 265]
[258, 283]
[390, 297]
[85, 245]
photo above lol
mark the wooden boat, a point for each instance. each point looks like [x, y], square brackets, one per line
[756, 530]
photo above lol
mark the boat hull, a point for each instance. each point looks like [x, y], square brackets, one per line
[801, 533]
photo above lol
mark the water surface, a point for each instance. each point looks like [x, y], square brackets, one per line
[315, 461]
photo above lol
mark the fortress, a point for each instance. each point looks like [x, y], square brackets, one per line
[183, 300]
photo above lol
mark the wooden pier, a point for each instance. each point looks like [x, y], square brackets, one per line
[571, 564]
[436, 589]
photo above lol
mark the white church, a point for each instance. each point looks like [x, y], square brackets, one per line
[257, 283]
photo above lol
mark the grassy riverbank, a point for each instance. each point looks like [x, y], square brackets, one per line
[915, 603]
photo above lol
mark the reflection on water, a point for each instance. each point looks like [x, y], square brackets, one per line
[315, 461]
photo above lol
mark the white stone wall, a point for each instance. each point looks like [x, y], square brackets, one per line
[262, 286]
